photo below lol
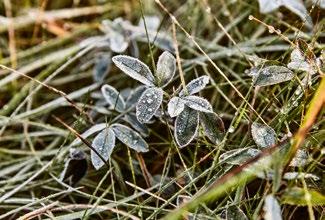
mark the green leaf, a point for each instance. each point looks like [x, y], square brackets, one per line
[297, 196]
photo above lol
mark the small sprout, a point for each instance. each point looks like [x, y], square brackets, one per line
[270, 75]
[186, 126]
[113, 97]
[271, 208]
[263, 135]
[103, 143]
[130, 138]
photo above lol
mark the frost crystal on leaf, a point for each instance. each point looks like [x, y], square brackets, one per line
[264, 136]
[113, 97]
[90, 131]
[103, 143]
[186, 126]
[135, 69]
[272, 208]
[213, 126]
[198, 103]
[166, 68]
[148, 104]
[118, 42]
[130, 138]
[195, 86]
[298, 62]
[271, 75]
[175, 106]
[267, 6]
[152, 23]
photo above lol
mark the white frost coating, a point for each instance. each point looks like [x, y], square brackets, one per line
[134, 96]
[195, 86]
[135, 69]
[186, 126]
[198, 103]
[103, 143]
[148, 104]
[271, 75]
[271, 208]
[296, 6]
[87, 133]
[263, 135]
[175, 106]
[113, 97]
[238, 156]
[299, 175]
[166, 68]
[130, 138]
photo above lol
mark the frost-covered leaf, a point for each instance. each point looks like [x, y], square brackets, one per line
[87, 133]
[186, 126]
[213, 126]
[198, 103]
[152, 22]
[130, 138]
[103, 143]
[297, 196]
[267, 6]
[298, 175]
[148, 104]
[113, 97]
[298, 7]
[135, 69]
[133, 121]
[134, 96]
[102, 66]
[271, 75]
[271, 208]
[118, 42]
[175, 106]
[263, 135]
[166, 68]
[300, 159]
[233, 213]
[298, 62]
[195, 86]
[238, 156]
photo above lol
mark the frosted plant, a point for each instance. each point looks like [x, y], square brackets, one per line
[102, 66]
[189, 110]
[264, 75]
[272, 208]
[104, 141]
[152, 97]
[296, 6]
[263, 135]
